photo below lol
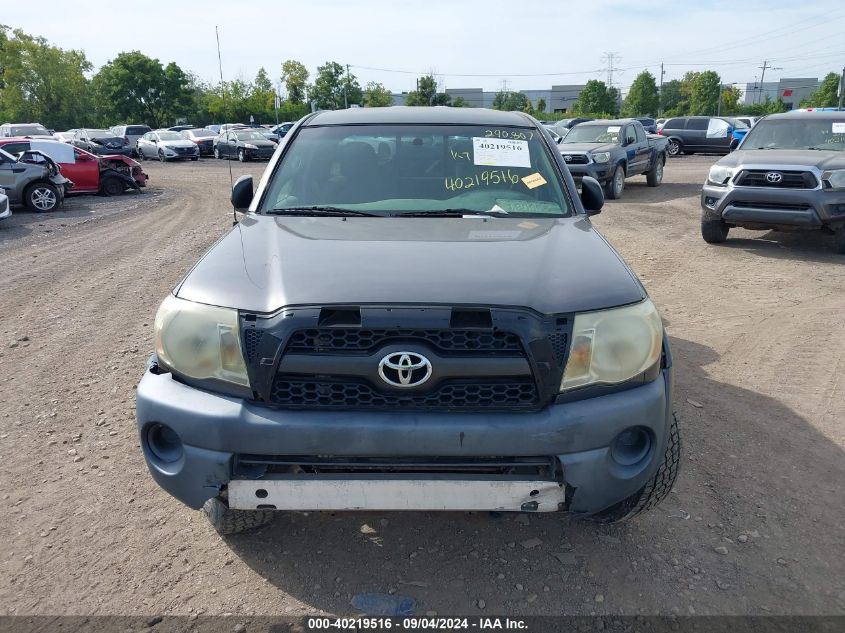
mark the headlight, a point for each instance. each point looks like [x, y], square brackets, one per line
[836, 178]
[250, 146]
[200, 341]
[613, 346]
[601, 157]
[719, 175]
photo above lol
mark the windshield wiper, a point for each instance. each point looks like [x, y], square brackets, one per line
[451, 213]
[319, 210]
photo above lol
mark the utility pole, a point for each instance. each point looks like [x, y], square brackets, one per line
[841, 87]
[719, 102]
[660, 92]
[345, 88]
[763, 74]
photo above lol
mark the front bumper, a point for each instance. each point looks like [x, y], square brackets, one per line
[214, 429]
[755, 207]
[600, 172]
[260, 154]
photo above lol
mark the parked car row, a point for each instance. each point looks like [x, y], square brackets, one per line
[85, 172]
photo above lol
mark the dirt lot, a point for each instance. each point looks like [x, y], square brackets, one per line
[755, 524]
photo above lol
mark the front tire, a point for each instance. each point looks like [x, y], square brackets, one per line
[227, 521]
[673, 148]
[714, 231]
[241, 156]
[41, 197]
[616, 184]
[141, 155]
[657, 488]
[655, 175]
[839, 241]
[111, 186]
[217, 153]
[161, 156]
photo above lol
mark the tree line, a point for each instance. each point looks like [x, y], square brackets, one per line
[696, 93]
[42, 82]
[56, 87]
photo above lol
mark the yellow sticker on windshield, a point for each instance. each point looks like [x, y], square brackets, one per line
[534, 180]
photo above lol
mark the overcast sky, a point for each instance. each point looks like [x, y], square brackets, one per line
[490, 41]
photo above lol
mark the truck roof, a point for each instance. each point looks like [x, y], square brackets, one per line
[605, 121]
[415, 115]
[815, 114]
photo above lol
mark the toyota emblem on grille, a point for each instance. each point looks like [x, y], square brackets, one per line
[404, 369]
[567, 158]
[774, 176]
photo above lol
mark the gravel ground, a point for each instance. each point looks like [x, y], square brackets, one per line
[754, 526]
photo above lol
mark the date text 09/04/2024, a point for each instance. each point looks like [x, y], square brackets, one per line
[416, 624]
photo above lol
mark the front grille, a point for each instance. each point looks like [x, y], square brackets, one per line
[505, 467]
[322, 340]
[185, 150]
[576, 159]
[770, 205]
[788, 179]
[314, 392]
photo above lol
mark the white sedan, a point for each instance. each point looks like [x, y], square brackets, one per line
[166, 145]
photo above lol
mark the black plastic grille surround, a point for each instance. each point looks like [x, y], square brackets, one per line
[251, 340]
[314, 392]
[364, 340]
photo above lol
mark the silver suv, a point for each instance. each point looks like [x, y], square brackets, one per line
[131, 134]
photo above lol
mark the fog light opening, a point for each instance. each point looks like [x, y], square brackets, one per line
[631, 446]
[710, 202]
[164, 443]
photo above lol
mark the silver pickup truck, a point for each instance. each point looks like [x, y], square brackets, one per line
[788, 174]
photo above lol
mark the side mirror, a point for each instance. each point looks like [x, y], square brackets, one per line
[592, 195]
[242, 193]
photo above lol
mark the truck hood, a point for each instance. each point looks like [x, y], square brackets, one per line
[551, 265]
[781, 158]
[566, 148]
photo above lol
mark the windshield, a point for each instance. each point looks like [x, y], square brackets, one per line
[393, 169]
[593, 134]
[807, 133]
[249, 136]
[201, 133]
[100, 133]
[169, 136]
[29, 130]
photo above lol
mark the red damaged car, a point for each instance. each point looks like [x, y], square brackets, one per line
[110, 175]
